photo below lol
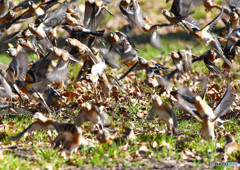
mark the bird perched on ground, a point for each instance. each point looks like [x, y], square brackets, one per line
[104, 136]
[164, 112]
[231, 145]
[69, 140]
[199, 108]
[44, 123]
[93, 113]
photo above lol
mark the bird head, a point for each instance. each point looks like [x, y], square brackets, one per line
[86, 105]
[113, 37]
[2, 72]
[31, 3]
[157, 99]
[39, 115]
[142, 60]
[71, 42]
[175, 56]
[195, 30]
[165, 12]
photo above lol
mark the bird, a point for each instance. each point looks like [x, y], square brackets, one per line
[208, 4]
[17, 69]
[41, 122]
[233, 22]
[5, 5]
[94, 13]
[136, 18]
[165, 113]
[153, 77]
[44, 123]
[179, 11]
[124, 46]
[69, 140]
[104, 137]
[199, 108]
[5, 89]
[231, 145]
[34, 91]
[60, 72]
[82, 49]
[93, 113]
[208, 59]
[208, 38]
[182, 60]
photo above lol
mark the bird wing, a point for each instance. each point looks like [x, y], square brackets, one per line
[138, 14]
[224, 104]
[55, 17]
[20, 65]
[213, 23]
[63, 138]
[7, 90]
[60, 72]
[219, 50]
[109, 58]
[192, 23]
[34, 126]
[180, 8]
[64, 127]
[204, 86]
[113, 81]
[188, 107]
[169, 110]
[150, 115]
[81, 118]
[162, 81]
[187, 61]
[187, 95]
[155, 40]
[212, 67]
[129, 70]
[170, 75]
[233, 4]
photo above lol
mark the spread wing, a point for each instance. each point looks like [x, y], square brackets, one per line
[81, 118]
[34, 126]
[224, 104]
[213, 23]
[188, 107]
[186, 94]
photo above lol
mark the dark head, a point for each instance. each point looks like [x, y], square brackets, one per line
[195, 30]
[53, 93]
[20, 83]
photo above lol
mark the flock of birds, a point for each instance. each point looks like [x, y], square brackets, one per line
[81, 47]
